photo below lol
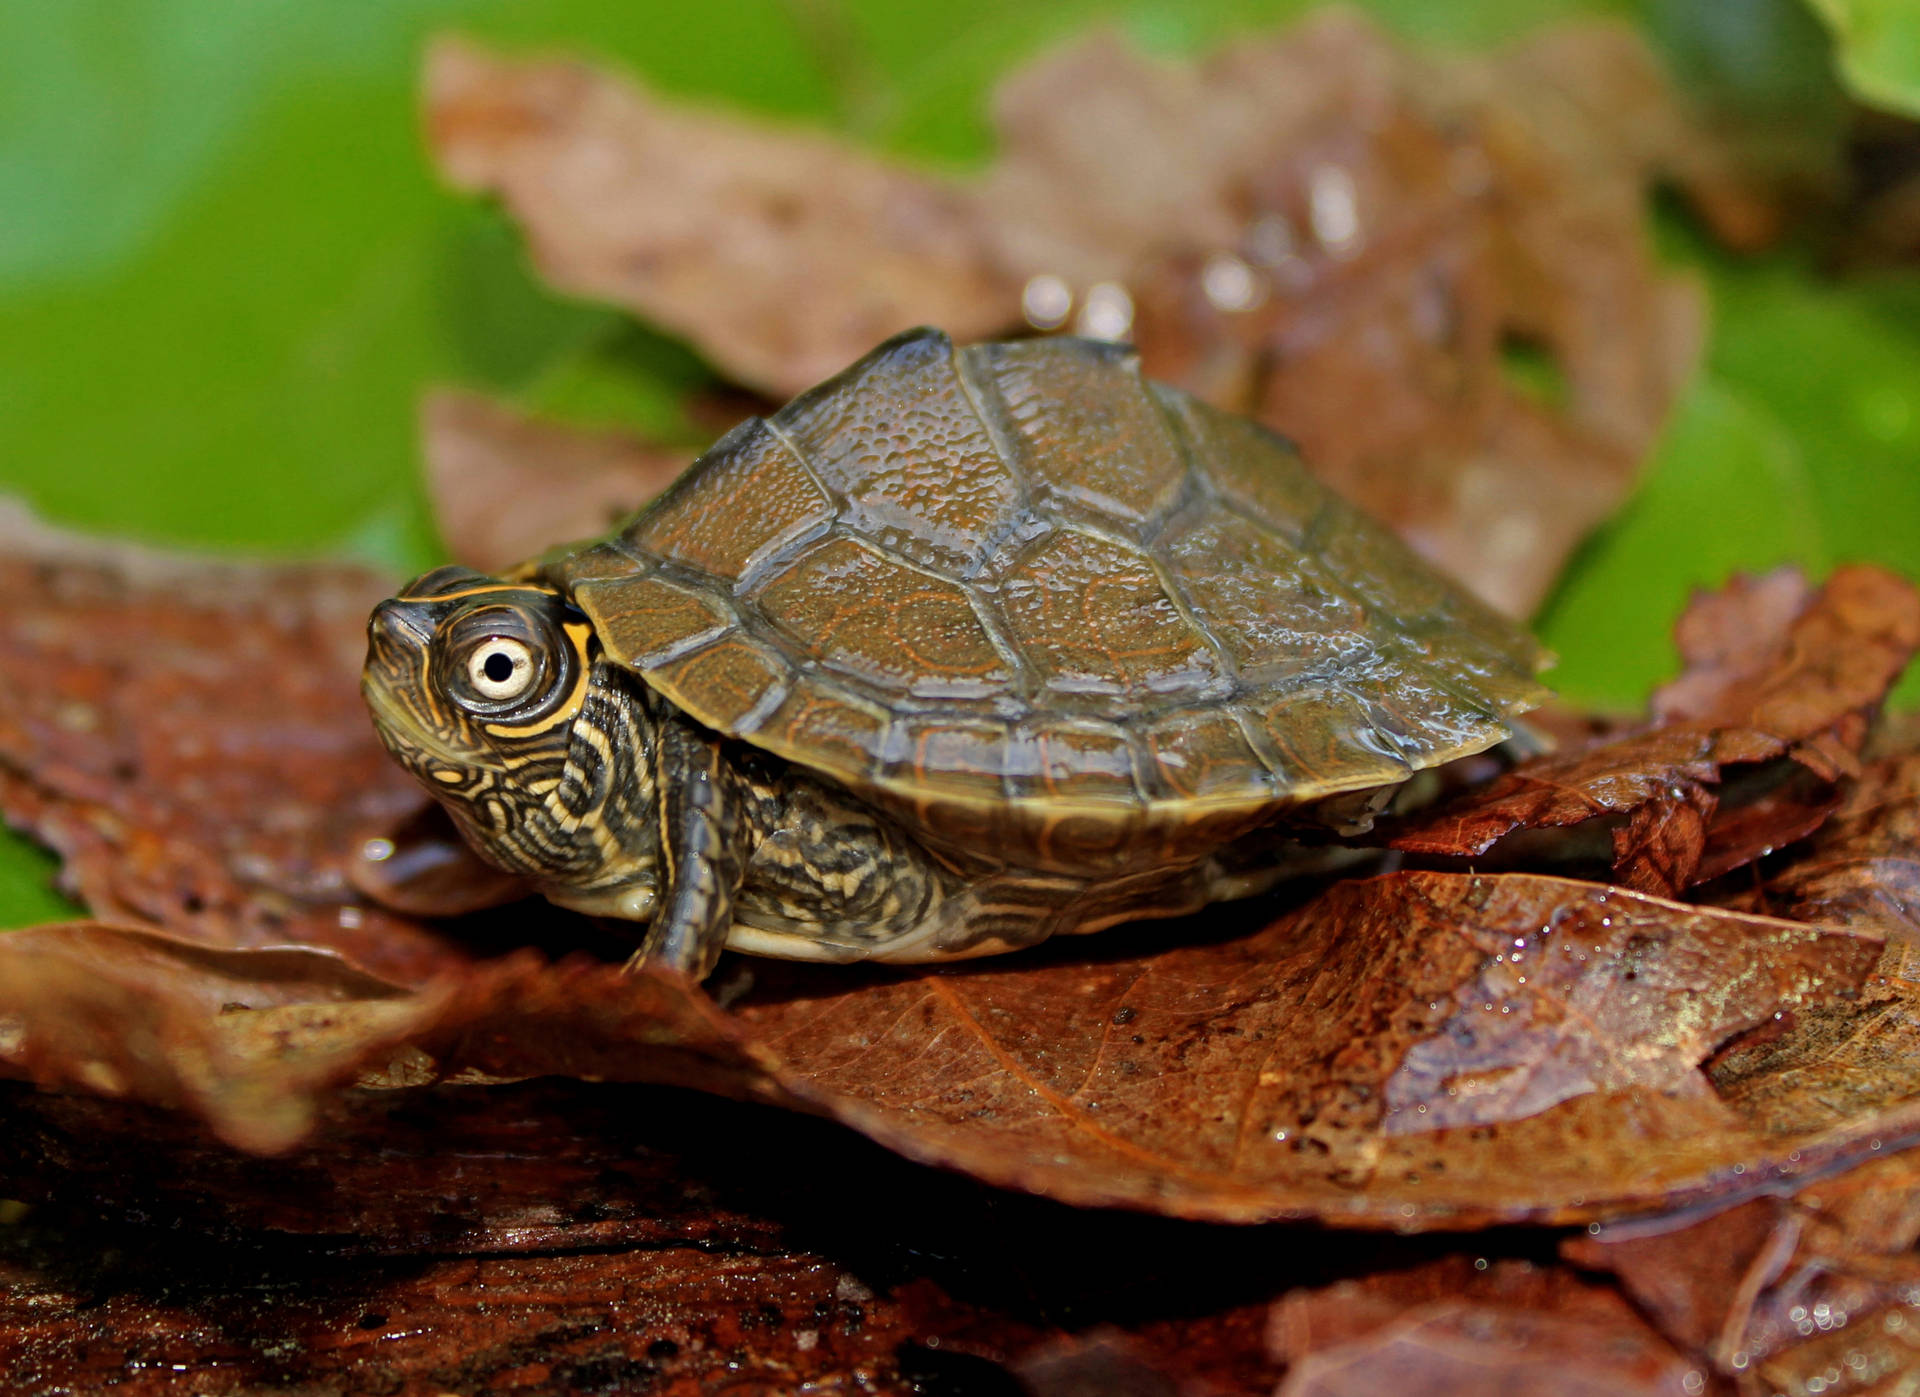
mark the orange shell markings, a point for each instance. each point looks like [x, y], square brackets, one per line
[1020, 583]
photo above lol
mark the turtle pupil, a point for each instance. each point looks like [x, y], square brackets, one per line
[499, 667]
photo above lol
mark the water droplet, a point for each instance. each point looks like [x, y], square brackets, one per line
[1334, 209]
[1047, 301]
[377, 850]
[1479, 1263]
[1270, 240]
[1230, 284]
[1107, 313]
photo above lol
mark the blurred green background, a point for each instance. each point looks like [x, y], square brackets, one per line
[226, 271]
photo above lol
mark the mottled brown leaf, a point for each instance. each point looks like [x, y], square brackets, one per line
[1863, 867]
[131, 1013]
[1853, 1059]
[1461, 1327]
[1421, 1049]
[189, 737]
[506, 488]
[1774, 671]
[1776, 1286]
[1352, 244]
[781, 254]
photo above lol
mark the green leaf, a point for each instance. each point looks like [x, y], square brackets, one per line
[1878, 50]
[26, 885]
[1725, 460]
[1801, 443]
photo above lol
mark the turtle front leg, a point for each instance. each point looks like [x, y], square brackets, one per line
[701, 859]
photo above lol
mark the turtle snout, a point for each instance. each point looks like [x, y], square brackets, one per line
[399, 623]
[397, 636]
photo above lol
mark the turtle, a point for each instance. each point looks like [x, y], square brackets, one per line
[961, 649]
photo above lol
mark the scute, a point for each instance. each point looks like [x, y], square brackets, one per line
[1021, 593]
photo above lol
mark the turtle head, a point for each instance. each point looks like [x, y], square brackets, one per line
[495, 695]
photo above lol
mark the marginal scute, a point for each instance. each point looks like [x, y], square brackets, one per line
[974, 751]
[1081, 762]
[1327, 741]
[898, 437]
[843, 732]
[1204, 753]
[849, 607]
[700, 522]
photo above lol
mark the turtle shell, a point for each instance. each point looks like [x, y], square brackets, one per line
[1046, 607]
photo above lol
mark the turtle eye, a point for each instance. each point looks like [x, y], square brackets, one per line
[500, 668]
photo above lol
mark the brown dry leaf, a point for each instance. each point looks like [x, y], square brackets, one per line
[1318, 229]
[1778, 1287]
[506, 488]
[127, 1012]
[1852, 1059]
[781, 254]
[1457, 1326]
[1774, 670]
[1478, 1049]
[1781, 1290]
[189, 737]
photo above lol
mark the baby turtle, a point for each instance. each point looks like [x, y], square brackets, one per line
[956, 651]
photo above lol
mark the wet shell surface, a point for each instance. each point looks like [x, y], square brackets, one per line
[1027, 596]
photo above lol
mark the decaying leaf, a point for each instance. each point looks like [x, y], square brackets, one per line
[1419, 1049]
[190, 738]
[781, 254]
[1780, 1287]
[130, 1013]
[1852, 1059]
[1775, 670]
[506, 488]
[1350, 243]
[1426, 1048]
[1458, 1326]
